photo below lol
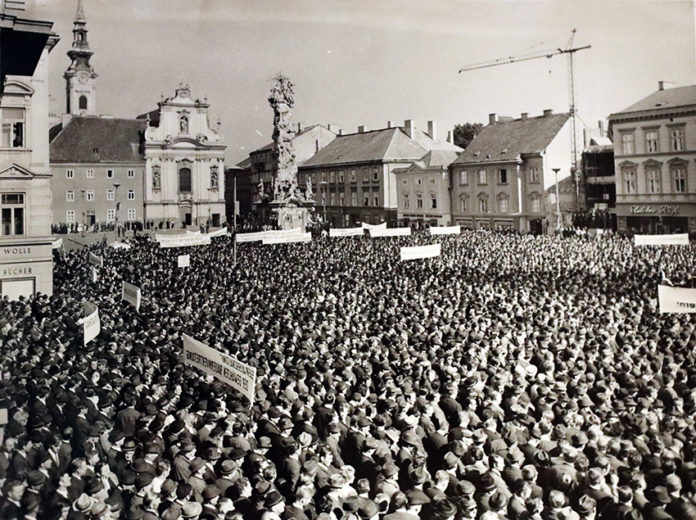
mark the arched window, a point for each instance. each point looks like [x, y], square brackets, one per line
[503, 203]
[185, 177]
[83, 102]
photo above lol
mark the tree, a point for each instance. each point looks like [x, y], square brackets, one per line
[464, 134]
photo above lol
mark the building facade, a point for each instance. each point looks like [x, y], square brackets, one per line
[423, 190]
[184, 180]
[500, 180]
[654, 152]
[26, 258]
[354, 177]
[600, 185]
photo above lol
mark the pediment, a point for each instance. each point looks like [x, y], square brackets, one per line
[15, 171]
[17, 88]
[185, 142]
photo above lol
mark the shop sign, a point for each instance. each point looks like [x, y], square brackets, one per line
[660, 210]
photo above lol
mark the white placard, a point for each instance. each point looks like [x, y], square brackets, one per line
[250, 237]
[346, 232]
[183, 260]
[220, 232]
[446, 230]
[57, 244]
[96, 260]
[93, 273]
[131, 294]
[416, 252]
[680, 239]
[383, 225]
[287, 239]
[91, 324]
[681, 300]
[120, 245]
[226, 368]
[391, 232]
[182, 240]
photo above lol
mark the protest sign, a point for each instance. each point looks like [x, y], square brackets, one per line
[183, 260]
[227, 369]
[131, 294]
[219, 233]
[93, 273]
[287, 238]
[680, 300]
[96, 260]
[416, 252]
[57, 244]
[90, 323]
[680, 239]
[183, 240]
[346, 232]
[249, 237]
[120, 245]
[365, 225]
[3, 416]
[445, 230]
[390, 232]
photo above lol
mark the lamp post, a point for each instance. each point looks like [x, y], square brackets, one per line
[82, 193]
[558, 202]
[323, 185]
[116, 186]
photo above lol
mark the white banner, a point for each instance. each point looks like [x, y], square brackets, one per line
[183, 260]
[58, 244]
[287, 239]
[183, 240]
[347, 232]
[93, 273]
[391, 232]
[383, 225]
[90, 323]
[96, 260]
[413, 253]
[226, 368]
[445, 230]
[120, 245]
[131, 294]
[220, 232]
[250, 237]
[676, 299]
[681, 239]
[263, 235]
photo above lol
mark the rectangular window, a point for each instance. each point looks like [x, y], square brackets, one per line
[651, 141]
[431, 180]
[483, 205]
[131, 173]
[419, 201]
[463, 205]
[433, 201]
[333, 199]
[323, 176]
[110, 215]
[503, 205]
[341, 198]
[404, 181]
[629, 181]
[89, 195]
[89, 173]
[406, 202]
[12, 206]
[332, 176]
[353, 176]
[536, 204]
[535, 176]
[676, 137]
[375, 174]
[12, 127]
[340, 176]
[463, 178]
[131, 194]
[70, 216]
[679, 175]
[482, 177]
[627, 142]
[70, 195]
[502, 176]
[131, 214]
[366, 175]
[366, 199]
[653, 177]
[376, 199]
[69, 174]
[109, 194]
[353, 198]
[419, 181]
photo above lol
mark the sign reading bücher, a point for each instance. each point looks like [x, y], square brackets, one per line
[680, 300]
[227, 369]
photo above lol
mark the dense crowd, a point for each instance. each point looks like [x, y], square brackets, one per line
[515, 377]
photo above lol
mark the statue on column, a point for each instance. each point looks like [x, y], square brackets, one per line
[282, 100]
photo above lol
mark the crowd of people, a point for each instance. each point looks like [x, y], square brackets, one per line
[515, 377]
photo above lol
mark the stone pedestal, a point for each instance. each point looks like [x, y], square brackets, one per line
[293, 216]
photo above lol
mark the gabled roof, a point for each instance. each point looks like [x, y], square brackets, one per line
[433, 160]
[388, 144]
[246, 163]
[504, 141]
[91, 139]
[668, 98]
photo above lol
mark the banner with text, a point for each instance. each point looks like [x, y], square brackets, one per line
[681, 239]
[120, 245]
[416, 252]
[131, 294]
[183, 260]
[391, 232]
[90, 323]
[93, 273]
[676, 299]
[445, 230]
[226, 368]
[250, 237]
[96, 260]
[182, 240]
[287, 239]
[219, 233]
[346, 232]
[383, 225]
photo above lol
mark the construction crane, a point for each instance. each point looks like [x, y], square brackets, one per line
[570, 51]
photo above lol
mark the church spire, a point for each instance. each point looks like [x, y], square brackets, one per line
[80, 14]
[80, 75]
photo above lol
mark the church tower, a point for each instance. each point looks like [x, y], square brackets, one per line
[80, 76]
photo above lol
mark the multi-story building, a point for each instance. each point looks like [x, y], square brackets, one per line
[654, 152]
[255, 173]
[184, 179]
[97, 162]
[597, 167]
[423, 189]
[26, 259]
[500, 180]
[353, 177]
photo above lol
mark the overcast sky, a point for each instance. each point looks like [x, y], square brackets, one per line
[366, 62]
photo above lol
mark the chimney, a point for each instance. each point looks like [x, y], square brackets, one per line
[409, 128]
[548, 112]
[449, 136]
[524, 115]
[491, 119]
[340, 131]
[328, 126]
[361, 129]
[390, 124]
[660, 85]
[432, 130]
[316, 145]
[299, 127]
[600, 124]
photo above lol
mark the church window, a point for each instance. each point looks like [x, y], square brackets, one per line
[83, 102]
[185, 179]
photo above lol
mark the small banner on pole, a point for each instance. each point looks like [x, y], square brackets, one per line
[417, 252]
[227, 369]
[681, 300]
[346, 232]
[131, 294]
[446, 230]
[57, 244]
[91, 324]
[93, 272]
[680, 239]
[96, 260]
[183, 260]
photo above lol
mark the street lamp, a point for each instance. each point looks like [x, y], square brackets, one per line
[323, 185]
[116, 186]
[558, 202]
[82, 192]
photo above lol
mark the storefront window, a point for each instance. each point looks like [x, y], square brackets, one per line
[12, 208]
